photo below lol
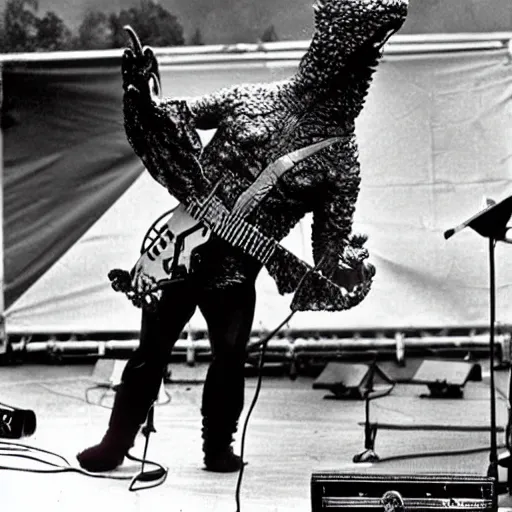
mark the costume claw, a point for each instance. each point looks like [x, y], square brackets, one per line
[137, 46]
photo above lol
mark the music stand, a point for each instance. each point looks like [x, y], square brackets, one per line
[490, 223]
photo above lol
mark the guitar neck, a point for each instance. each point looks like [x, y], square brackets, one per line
[236, 231]
[239, 233]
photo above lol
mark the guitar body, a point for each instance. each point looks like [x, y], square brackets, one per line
[167, 258]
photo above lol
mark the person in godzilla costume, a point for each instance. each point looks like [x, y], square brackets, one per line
[256, 124]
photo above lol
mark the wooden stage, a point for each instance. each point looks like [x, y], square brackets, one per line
[293, 431]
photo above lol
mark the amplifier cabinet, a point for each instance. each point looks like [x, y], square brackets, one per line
[337, 491]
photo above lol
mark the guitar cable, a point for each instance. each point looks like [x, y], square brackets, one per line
[263, 344]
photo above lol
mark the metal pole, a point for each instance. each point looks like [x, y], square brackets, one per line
[493, 457]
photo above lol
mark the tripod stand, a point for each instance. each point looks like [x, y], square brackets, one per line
[154, 477]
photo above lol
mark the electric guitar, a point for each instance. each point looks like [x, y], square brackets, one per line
[166, 256]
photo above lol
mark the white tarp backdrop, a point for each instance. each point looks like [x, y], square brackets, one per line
[435, 137]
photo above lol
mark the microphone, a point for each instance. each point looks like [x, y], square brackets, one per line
[16, 423]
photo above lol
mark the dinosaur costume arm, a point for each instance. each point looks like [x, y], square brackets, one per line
[333, 217]
[160, 132]
[339, 252]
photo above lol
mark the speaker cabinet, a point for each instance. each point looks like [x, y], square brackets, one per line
[336, 491]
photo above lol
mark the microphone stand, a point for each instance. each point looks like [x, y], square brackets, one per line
[493, 456]
[491, 223]
[369, 454]
[370, 430]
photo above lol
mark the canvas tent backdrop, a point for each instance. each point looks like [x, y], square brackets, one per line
[435, 137]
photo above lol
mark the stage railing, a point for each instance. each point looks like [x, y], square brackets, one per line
[281, 50]
[293, 347]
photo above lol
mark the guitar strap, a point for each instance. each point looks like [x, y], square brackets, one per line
[268, 178]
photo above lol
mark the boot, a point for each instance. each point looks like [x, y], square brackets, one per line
[129, 412]
[222, 404]
[218, 452]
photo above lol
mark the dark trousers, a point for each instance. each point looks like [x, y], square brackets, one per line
[229, 315]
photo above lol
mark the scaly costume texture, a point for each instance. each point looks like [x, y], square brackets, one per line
[258, 123]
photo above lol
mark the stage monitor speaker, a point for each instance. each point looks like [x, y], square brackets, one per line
[353, 381]
[337, 491]
[446, 379]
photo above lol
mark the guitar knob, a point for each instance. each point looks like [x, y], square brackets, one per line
[392, 501]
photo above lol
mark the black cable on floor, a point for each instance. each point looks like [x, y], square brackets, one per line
[31, 452]
[24, 451]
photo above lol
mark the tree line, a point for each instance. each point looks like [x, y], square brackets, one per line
[24, 29]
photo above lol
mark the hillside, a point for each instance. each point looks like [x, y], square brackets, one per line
[229, 21]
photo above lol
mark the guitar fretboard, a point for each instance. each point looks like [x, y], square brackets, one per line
[234, 230]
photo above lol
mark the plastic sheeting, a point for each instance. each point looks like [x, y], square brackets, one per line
[66, 161]
[435, 138]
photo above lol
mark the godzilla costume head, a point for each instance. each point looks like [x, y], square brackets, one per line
[347, 32]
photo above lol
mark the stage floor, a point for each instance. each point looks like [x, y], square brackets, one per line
[293, 431]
